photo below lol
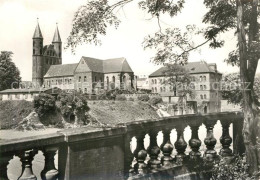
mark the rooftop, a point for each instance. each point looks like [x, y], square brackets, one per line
[192, 67]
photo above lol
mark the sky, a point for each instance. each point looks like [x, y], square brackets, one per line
[18, 19]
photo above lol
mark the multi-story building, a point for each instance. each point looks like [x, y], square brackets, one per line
[205, 79]
[88, 75]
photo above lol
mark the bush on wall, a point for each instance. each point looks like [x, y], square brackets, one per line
[144, 97]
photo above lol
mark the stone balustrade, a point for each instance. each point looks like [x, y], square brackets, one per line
[107, 153]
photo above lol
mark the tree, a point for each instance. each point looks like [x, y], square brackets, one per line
[44, 104]
[231, 86]
[73, 104]
[179, 80]
[92, 20]
[9, 73]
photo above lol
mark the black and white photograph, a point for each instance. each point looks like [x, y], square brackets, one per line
[129, 90]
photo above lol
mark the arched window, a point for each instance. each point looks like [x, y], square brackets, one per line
[114, 79]
[200, 78]
[161, 89]
[155, 89]
[155, 81]
[205, 96]
[152, 89]
[164, 89]
[201, 87]
[201, 96]
[205, 87]
[152, 81]
[33, 51]
[204, 78]
[107, 82]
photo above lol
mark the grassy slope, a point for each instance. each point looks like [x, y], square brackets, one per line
[107, 112]
[12, 112]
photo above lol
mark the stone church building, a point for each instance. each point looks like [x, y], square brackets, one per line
[88, 76]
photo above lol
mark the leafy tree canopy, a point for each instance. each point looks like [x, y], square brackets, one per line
[9, 73]
[231, 88]
[44, 104]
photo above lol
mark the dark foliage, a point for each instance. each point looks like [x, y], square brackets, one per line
[155, 100]
[143, 97]
[120, 97]
[44, 104]
[233, 169]
[9, 73]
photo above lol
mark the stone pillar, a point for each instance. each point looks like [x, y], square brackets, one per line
[153, 151]
[167, 147]
[180, 145]
[225, 139]
[27, 158]
[49, 172]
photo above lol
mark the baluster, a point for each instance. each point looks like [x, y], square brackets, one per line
[27, 158]
[140, 154]
[195, 143]
[167, 147]
[49, 172]
[129, 157]
[225, 139]
[180, 145]
[210, 142]
[4, 161]
[153, 151]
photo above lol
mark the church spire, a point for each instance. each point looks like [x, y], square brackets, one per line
[56, 37]
[37, 32]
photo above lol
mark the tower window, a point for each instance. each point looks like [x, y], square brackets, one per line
[79, 78]
[40, 51]
[33, 51]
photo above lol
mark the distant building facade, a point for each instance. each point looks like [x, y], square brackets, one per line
[88, 76]
[143, 82]
[206, 80]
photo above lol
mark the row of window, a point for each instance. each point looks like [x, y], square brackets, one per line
[58, 82]
[203, 96]
[20, 96]
[193, 78]
[35, 51]
[51, 61]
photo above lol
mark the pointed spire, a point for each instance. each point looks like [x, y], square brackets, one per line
[56, 37]
[37, 32]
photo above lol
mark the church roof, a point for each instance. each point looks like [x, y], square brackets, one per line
[37, 32]
[116, 65]
[108, 66]
[95, 65]
[192, 67]
[56, 37]
[61, 70]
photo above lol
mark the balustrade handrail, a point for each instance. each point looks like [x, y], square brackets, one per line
[122, 128]
[123, 132]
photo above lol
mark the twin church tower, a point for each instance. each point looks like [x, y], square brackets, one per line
[44, 56]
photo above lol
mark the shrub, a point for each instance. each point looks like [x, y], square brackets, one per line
[144, 97]
[120, 97]
[73, 104]
[155, 100]
[131, 99]
[44, 104]
[236, 168]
